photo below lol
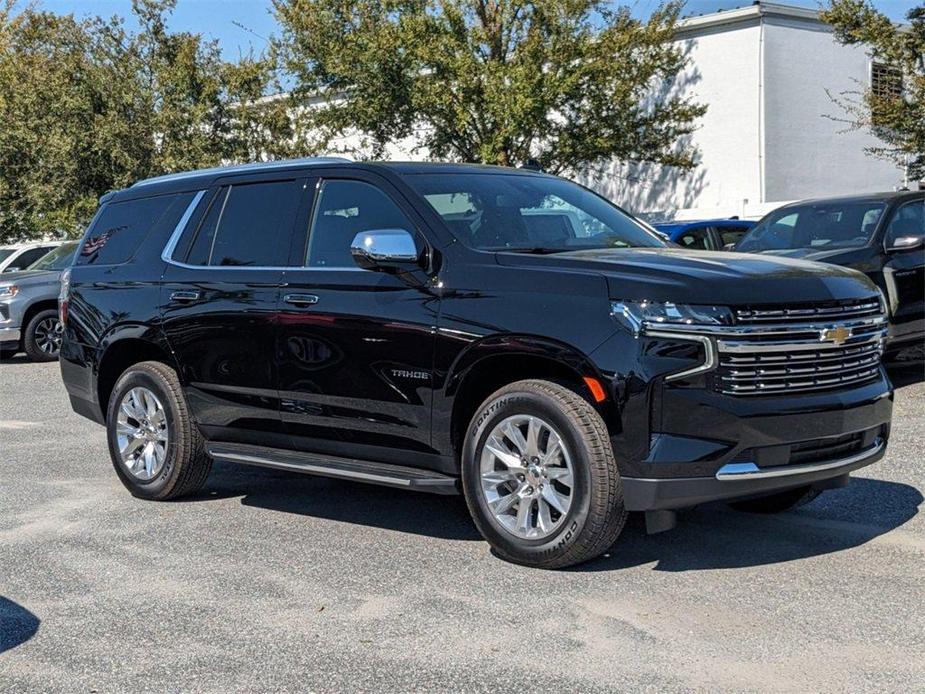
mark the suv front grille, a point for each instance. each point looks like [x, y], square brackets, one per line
[789, 356]
[788, 314]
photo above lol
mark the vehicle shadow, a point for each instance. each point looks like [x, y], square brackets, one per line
[17, 624]
[716, 537]
[708, 537]
[348, 502]
[18, 359]
[904, 374]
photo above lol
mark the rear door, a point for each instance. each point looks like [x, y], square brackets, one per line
[356, 346]
[219, 302]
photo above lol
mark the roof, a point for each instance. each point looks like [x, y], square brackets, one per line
[687, 224]
[433, 167]
[241, 168]
[745, 14]
[865, 197]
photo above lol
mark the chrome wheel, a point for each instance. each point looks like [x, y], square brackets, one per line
[48, 336]
[526, 476]
[141, 433]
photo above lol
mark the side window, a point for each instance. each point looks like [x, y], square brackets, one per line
[696, 238]
[120, 229]
[731, 235]
[26, 258]
[248, 224]
[908, 220]
[344, 209]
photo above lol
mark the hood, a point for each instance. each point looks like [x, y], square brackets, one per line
[30, 278]
[706, 277]
[816, 254]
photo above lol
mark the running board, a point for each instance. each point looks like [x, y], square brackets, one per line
[385, 474]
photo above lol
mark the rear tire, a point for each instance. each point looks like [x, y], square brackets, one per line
[551, 496]
[42, 338]
[155, 446]
[779, 502]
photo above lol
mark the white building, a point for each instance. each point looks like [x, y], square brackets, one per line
[770, 134]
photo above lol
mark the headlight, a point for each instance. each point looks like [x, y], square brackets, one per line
[8, 291]
[637, 315]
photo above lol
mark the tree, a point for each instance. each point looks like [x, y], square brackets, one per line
[86, 107]
[562, 82]
[894, 115]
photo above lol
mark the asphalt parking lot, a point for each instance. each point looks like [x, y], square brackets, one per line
[269, 581]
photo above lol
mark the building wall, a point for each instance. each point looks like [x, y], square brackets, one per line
[808, 154]
[723, 73]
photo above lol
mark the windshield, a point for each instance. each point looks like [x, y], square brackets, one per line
[6, 253]
[819, 226]
[58, 259]
[528, 213]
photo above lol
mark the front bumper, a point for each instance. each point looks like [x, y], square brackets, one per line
[10, 335]
[742, 480]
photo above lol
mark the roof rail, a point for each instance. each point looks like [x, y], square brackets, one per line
[242, 168]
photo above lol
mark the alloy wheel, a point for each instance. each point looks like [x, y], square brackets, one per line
[48, 336]
[141, 433]
[526, 476]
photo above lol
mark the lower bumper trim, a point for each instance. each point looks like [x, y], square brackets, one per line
[644, 494]
[750, 471]
[10, 334]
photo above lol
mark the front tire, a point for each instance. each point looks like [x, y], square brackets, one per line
[42, 339]
[540, 478]
[779, 502]
[155, 446]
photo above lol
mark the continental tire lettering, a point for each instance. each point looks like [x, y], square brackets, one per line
[562, 541]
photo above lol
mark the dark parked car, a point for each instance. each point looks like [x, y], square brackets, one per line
[706, 234]
[445, 328]
[882, 235]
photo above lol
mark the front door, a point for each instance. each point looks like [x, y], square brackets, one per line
[219, 299]
[356, 346]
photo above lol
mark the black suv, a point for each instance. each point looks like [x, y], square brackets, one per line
[882, 235]
[445, 328]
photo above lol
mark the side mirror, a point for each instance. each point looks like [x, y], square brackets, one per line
[385, 250]
[905, 243]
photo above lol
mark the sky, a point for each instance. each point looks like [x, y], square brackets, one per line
[242, 26]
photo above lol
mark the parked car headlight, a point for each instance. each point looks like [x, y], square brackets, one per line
[8, 291]
[637, 315]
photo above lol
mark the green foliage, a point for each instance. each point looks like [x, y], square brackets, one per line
[897, 120]
[86, 107]
[563, 82]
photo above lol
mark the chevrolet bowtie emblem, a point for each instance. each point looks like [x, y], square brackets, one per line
[837, 335]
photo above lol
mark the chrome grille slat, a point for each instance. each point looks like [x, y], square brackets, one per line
[783, 350]
[852, 310]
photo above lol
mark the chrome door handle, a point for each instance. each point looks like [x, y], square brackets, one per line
[301, 299]
[184, 296]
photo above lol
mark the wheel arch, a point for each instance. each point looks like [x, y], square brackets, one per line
[35, 308]
[122, 348]
[495, 362]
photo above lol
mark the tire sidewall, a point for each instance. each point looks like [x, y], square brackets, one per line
[488, 416]
[155, 487]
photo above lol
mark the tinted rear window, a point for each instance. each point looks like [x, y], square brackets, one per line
[120, 229]
[248, 225]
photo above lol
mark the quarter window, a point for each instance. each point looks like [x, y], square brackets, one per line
[120, 229]
[343, 210]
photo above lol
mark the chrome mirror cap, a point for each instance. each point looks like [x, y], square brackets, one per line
[906, 243]
[384, 249]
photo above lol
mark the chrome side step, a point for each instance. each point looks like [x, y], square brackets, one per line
[385, 474]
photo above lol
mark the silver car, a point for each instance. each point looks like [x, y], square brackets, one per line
[29, 306]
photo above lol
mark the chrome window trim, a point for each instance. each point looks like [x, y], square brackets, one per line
[709, 359]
